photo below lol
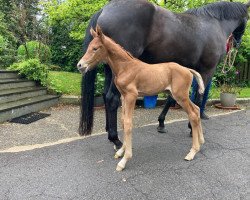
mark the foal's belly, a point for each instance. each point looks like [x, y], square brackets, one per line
[152, 90]
[153, 80]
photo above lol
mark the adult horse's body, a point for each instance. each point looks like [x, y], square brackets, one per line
[196, 39]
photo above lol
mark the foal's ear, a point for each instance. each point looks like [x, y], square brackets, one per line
[99, 31]
[93, 33]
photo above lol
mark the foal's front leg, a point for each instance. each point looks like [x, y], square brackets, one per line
[120, 152]
[129, 105]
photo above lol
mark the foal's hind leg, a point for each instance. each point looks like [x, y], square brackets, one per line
[200, 135]
[194, 118]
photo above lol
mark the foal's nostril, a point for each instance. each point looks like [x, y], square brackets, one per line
[79, 65]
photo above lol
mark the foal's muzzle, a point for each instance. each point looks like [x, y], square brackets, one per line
[82, 66]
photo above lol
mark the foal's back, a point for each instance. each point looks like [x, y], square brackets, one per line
[153, 79]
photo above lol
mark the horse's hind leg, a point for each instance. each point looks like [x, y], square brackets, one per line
[112, 100]
[200, 135]
[170, 101]
[194, 118]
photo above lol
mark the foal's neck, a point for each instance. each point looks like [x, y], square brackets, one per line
[118, 57]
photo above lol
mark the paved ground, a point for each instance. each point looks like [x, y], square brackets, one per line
[63, 124]
[85, 168]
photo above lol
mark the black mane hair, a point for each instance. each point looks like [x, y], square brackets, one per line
[222, 10]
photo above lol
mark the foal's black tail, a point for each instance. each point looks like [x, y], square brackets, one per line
[88, 86]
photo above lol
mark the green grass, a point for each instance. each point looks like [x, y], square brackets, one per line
[244, 93]
[69, 83]
[65, 82]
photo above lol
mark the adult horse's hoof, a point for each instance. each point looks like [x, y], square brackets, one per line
[190, 127]
[161, 129]
[204, 116]
[191, 134]
[117, 144]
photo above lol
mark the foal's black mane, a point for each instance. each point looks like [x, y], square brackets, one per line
[221, 10]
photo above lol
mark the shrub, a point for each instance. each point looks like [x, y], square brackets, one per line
[99, 84]
[35, 50]
[32, 69]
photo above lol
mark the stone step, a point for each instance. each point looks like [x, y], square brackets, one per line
[11, 80]
[8, 74]
[15, 83]
[24, 106]
[15, 94]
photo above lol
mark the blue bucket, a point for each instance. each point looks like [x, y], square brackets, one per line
[150, 101]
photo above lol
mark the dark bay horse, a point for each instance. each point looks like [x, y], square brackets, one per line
[196, 39]
[134, 78]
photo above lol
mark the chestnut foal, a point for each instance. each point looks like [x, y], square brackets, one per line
[134, 78]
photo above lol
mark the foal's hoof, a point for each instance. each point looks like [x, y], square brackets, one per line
[118, 155]
[119, 168]
[202, 141]
[161, 129]
[190, 155]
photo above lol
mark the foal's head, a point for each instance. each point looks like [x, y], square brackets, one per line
[95, 53]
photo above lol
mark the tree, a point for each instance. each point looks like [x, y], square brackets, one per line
[68, 21]
[65, 50]
[22, 19]
[7, 44]
[74, 14]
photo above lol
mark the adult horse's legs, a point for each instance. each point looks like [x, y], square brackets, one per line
[112, 100]
[204, 99]
[107, 83]
[129, 105]
[170, 102]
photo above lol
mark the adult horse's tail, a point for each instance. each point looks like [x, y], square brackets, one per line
[199, 80]
[88, 86]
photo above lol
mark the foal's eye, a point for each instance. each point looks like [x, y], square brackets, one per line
[95, 49]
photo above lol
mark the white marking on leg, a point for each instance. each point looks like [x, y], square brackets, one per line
[121, 165]
[191, 154]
